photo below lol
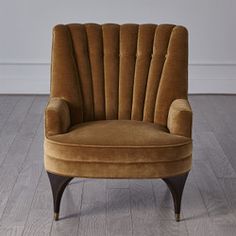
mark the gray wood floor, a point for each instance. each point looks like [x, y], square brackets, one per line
[117, 207]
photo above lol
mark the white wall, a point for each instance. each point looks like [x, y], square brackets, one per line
[25, 37]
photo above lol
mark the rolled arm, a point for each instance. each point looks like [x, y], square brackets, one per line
[57, 117]
[180, 118]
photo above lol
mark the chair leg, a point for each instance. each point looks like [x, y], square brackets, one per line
[176, 187]
[58, 185]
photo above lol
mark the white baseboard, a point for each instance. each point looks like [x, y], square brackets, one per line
[34, 78]
[212, 78]
[24, 78]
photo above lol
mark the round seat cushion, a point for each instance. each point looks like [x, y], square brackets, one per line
[118, 149]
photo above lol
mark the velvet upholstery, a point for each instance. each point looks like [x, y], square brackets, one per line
[180, 118]
[118, 104]
[122, 142]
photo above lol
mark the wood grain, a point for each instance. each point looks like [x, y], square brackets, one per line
[119, 220]
[214, 199]
[7, 104]
[40, 218]
[93, 211]
[144, 214]
[13, 124]
[194, 210]
[22, 190]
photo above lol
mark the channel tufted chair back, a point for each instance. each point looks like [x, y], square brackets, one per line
[118, 106]
[110, 71]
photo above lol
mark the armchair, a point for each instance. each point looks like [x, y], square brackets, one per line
[118, 106]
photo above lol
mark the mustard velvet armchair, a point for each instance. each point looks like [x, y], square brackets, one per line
[118, 106]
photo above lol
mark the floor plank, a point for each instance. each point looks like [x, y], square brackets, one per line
[144, 217]
[19, 202]
[214, 199]
[199, 120]
[9, 157]
[40, 218]
[23, 139]
[117, 183]
[7, 104]
[13, 124]
[119, 220]
[213, 153]
[229, 187]
[23, 188]
[93, 211]
[194, 210]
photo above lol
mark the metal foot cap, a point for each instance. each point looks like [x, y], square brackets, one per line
[56, 216]
[177, 217]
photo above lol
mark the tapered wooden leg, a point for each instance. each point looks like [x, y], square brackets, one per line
[58, 185]
[176, 187]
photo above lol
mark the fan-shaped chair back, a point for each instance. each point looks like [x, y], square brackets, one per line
[115, 71]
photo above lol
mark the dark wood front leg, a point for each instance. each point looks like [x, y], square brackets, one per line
[176, 187]
[58, 185]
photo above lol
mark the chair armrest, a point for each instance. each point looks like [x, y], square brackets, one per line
[180, 118]
[57, 117]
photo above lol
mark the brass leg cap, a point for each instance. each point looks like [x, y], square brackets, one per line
[56, 216]
[177, 217]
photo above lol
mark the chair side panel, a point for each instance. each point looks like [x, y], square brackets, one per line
[128, 48]
[160, 45]
[174, 78]
[143, 58]
[81, 50]
[95, 53]
[111, 48]
[64, 75]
